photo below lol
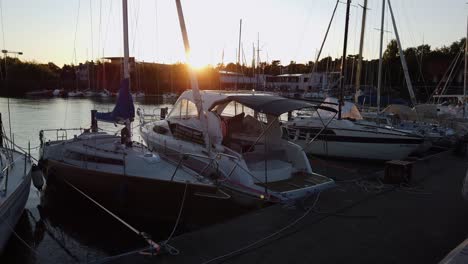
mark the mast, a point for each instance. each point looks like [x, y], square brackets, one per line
[126, 69]
[361, 46]
[239, 53]
[379, 80]
[258, 61]
[465, 83]
[402, 57]
[343, 60]
[192, 75]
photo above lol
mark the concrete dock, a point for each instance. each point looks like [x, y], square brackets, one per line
[359, 221]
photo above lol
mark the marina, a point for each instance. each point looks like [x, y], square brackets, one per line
[358, 159]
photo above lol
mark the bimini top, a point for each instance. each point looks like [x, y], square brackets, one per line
[258, 101]
[273, 105]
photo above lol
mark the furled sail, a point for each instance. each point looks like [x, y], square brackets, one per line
[124, 108]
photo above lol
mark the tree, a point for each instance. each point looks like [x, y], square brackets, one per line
[391, 52]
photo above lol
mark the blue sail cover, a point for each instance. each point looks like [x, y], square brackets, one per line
[124, 108]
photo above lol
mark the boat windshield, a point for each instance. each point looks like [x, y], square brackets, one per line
[184, 109]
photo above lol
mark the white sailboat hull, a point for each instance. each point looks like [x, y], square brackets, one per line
[14, 201]
[345, 139]
[359, 150]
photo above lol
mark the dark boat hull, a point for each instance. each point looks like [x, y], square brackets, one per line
[136, 198]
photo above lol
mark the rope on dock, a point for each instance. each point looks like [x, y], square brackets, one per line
[267, 237]
[170, 249]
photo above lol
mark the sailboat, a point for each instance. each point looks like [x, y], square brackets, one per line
[340, 136]
[121, 174]
[321, 133]
[15, 182]
[235, 138]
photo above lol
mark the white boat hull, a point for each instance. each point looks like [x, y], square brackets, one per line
[358, 150]
[12, 205]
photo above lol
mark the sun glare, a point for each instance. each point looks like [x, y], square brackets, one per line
[198, 64]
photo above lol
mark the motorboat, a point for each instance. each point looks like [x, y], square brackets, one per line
[105, 93]
[239, 143]
[15, 181]
[40, 93]
[58, 92]
[75, 94]
[322, 133]
[169, 96]
[139, 94]
[90, 93]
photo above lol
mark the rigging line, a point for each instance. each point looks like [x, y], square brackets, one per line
[92, 37]
[314, 68]
[135, 29]
[76, 30]
[99, 32]
[107, 26]
[301, 40]
[157, 31]
[3, 32]
[5, 76]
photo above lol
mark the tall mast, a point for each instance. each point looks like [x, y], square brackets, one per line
[126, 70]
[192, 75]
[379, 80]
[465, 84]
[258, 61]
[361, 46]
[239, 54]
[402, 57]
[343, 60]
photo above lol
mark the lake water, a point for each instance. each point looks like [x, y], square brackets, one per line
[56, 231]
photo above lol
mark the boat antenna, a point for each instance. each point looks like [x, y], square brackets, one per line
[192, 75]
[343, 60]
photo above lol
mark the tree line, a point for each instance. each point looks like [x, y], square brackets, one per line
[428, 67]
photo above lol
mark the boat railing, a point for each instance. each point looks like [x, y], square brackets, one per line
[60, 133]
[158, 113]
[5, 172]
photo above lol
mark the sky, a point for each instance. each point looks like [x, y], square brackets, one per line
[73, 31]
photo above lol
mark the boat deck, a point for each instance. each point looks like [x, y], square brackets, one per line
[297, 181]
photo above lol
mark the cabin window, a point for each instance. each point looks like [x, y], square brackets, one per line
[184, 109]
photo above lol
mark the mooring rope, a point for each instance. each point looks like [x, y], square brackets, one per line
[19, 238]
[153, 245]
[170, 249]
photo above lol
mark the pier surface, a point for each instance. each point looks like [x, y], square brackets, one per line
[361, 220]
[357, 222]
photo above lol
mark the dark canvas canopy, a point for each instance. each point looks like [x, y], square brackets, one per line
[273, 105]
